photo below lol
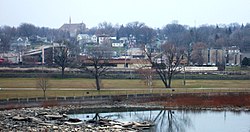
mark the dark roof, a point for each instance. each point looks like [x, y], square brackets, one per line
[73, 27]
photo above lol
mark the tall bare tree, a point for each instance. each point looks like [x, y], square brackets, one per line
[61, 58]
[177, 34]
[97, 63]
[166, 63]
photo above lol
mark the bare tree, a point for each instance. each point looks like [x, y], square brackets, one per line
[146, 72]
[147, 76]
[196, 55]
[6, 33]
[177, 34]
[166, 63]
[43, 84]
[106, 28]
[61, 58]
[97, 63]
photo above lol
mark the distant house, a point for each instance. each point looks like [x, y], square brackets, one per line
[124, 39]
[85, 39]
[135, 53]
[103, 39]
[94, 39]
[19, 43]
[73, 28]
[24, 41]
[42, 39]
[117, 43]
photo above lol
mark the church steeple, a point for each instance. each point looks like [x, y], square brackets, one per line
[70, 20]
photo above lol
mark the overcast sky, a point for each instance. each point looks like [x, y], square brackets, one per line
[154, 13]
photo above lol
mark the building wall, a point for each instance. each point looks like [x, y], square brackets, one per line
[213, 56]
[234, 59]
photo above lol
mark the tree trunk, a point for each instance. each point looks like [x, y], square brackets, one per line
[166, 84]
[44, 94]
[169, 82]
[63, 68]
[97, 82]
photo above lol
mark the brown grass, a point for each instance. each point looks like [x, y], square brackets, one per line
[188, 100]
[121, 83]
[131, 86]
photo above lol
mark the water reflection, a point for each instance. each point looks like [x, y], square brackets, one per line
[167, 121]
[179, 120]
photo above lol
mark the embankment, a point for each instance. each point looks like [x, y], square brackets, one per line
[175, 100]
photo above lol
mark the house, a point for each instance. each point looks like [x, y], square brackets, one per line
[105, 39]
[19, 44]
[117, 43]
[42, 39]
[94, 39]
[136, 53]
[124, 39]
[86, 39]
[83, 38]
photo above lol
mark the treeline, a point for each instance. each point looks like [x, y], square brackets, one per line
[214, 36]
[7, 34]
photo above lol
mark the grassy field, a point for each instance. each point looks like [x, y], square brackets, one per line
[120, 84]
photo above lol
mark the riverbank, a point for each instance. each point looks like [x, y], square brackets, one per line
[55, 118]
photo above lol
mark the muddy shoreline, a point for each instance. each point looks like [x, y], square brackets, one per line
[54, 117]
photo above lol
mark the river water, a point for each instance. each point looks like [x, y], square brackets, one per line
[177, 120]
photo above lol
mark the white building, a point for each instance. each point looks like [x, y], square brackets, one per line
[85, 38]
[104, 39]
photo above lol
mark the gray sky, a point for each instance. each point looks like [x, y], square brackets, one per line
[154, 13]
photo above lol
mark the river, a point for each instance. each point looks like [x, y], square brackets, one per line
[176, 120]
